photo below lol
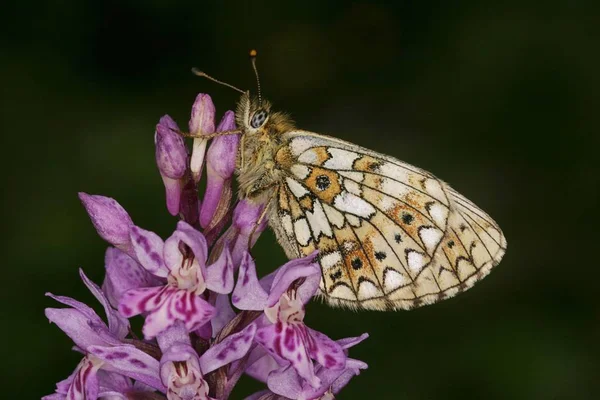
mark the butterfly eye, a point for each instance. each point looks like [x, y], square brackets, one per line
[258, 119]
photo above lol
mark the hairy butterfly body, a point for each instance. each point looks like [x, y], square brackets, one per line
[390, 236]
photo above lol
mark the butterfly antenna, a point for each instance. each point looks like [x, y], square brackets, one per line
[253, 55]
[197, 72]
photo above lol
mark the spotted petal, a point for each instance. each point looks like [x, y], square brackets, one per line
[148, 248]
[122, 274]
[325, 351]
[248, 293]
[117, 325]
[166, 305]
[288, 341]
[220, 274]
[305, 267]
[131, 362]
[232, 348]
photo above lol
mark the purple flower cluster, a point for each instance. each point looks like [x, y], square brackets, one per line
[194, 345]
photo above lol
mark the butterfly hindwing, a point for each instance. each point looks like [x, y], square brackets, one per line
[389, 235]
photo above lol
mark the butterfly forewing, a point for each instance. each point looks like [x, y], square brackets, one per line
[389, 235]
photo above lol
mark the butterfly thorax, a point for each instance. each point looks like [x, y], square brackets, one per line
[258, 166]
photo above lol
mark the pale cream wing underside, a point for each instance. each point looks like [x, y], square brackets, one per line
[389, 235]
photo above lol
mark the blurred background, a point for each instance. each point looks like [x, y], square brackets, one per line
[500, 100]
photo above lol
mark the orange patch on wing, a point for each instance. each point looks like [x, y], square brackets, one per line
[283, 199]
[284, 158]
[321, 155]
[366, 163]
[317, 177]
[306, 203]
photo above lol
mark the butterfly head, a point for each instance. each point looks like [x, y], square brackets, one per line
[255, 115]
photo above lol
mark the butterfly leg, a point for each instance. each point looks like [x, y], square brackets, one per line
[207, 136]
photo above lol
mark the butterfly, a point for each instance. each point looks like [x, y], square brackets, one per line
[389, 235]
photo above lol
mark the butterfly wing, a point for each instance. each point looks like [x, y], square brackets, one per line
[390, 235]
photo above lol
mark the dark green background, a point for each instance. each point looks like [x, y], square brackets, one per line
[502, 101]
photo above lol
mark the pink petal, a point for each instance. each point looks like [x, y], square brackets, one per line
[137, 301]
[221, 163]
[117, 325]
[223, 316]
[113, 384]
[202, 121]
[183, 383]
[131, 362]
[193, 239]
[176, 334]
[352, 369]
[305, 267]
[346, 343]
[286, 382]
[166, 305]
[122, 274]
[148, 247]
[85, 381]
[232, 348]
[289, 341]
[245, 219]
[173, 189]
[248, 293]
[325, 351]
[263, 366]
[171, 154]
[110, 219]
[219, 276]
[82, 329]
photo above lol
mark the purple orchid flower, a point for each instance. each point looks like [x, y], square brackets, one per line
[110, 220]
[285, 383]
[182, 370]
[181, 259]
[285, 336]
[171, 158]
[202, 122]
[220, 166]
[122, 274]
[102, 346]
[196, 346]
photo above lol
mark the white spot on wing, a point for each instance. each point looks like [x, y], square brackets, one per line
[340, 159]
[308, 157]
[439, 213]
[297, 189]
[302, 231]
[342, 292]
[368, 290]
[353, 220]
[415, 260]
[298, 145]
[286, 221]
[434, 188]
[393, 280]
[394, 172]
[334, 216]
[300, 171]
[318, 221]
[349, 245]
[350, 203]
[355, 176]
[352, 187]
[430, 237]
[331, 259]
[387, 203]
[394, 188]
